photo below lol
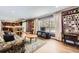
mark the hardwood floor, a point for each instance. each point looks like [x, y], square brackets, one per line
[54, 46]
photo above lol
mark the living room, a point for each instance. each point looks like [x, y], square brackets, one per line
[42, 29]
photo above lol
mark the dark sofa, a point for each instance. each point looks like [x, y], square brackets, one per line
[8, 37]
[46, 35]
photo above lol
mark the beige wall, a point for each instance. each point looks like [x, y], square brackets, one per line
[36, 25]
[24, 26]
[0, 26]
[58, 28]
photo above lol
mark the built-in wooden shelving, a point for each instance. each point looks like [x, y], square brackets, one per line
[14, 27]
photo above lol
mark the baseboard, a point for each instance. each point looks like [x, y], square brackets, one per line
[57, 40]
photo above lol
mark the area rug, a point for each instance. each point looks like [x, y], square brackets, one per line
[31, 47]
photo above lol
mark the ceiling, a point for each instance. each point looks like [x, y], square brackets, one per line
[15, 12]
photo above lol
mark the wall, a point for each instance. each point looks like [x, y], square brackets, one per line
[58, 29]
[0, 26]
[36, 25]
[24, 26]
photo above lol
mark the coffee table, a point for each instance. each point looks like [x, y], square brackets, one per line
[31, 37]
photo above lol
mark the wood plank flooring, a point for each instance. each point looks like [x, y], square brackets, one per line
[54, 46]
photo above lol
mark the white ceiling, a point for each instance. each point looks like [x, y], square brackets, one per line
[15, 12]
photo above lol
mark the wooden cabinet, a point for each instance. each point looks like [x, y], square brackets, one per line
[70, 25]
[70, 39]
[14, 27]
[30, 26]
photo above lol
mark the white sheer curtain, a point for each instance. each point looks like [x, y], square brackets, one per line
[48, 23]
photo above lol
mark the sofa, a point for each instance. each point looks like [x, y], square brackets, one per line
[46, 35]
[16, 45]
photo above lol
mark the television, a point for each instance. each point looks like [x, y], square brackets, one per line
[42, 28]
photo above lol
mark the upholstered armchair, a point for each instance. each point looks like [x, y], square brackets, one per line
[14, 46]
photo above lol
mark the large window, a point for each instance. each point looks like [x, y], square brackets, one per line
[48, 23]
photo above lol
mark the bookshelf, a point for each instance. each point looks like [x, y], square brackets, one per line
[14, 27]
